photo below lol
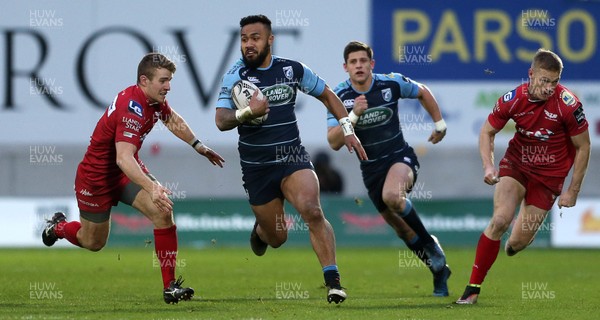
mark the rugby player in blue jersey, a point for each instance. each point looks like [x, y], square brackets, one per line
[392, 167]
[275, 165]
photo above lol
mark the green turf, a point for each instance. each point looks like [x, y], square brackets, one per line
[231, 283]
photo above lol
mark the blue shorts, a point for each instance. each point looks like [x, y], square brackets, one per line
[374, 174]
[263, 182]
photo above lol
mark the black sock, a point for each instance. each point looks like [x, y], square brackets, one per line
[416, 246]
[409, 215]
[332, 277]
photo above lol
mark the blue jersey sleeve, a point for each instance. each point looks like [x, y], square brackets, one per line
[341, 86]
[331, 120]
[229, 79]
[311, 83]
[408, 88]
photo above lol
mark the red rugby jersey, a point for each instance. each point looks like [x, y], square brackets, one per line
[129, 118]
[542, 143]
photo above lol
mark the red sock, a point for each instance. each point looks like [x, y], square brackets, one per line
[487, 252]
[165, 244]
[68, 230]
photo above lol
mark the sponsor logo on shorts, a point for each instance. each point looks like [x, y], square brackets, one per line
[86, 193]
[89, 204]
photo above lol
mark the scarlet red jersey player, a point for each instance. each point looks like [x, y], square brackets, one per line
[111, 171]
[542, 144]
[552, 136]
[125, 120]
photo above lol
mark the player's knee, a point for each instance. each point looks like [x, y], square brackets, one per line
[520, 244]
[499, 224]
[278, 241]
[162, 220]
[515, 250]
[313, 214]
[95, 245]
[275, 237]
[394, 201]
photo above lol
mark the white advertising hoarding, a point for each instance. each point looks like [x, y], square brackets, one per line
[25, 218]
[579, 226]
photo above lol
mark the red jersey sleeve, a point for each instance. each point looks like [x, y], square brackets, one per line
[502, 110]
[572, 113]
[128, 121]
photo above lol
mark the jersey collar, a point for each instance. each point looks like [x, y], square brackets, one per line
[361, 92]
[270, 64]
[142, 94]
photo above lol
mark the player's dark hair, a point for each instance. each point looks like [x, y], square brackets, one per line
[354, 46]
[547, 60]
[152, 61]
[254, 19]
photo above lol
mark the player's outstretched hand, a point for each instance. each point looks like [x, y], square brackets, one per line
[437, 136]
[567, 199]
[353, 143]
[212, 156]
[160, 198]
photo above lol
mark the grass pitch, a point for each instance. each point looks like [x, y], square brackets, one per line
[231, 283]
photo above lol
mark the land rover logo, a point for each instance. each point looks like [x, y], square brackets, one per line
[374, 117]
[278, 94]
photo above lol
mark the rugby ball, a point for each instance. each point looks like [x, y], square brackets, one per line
[241, 93]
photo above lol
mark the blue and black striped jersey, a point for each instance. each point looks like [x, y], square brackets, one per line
[378, 128]
[278, 137]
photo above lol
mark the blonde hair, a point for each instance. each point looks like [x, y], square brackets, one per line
[547, 60]
[152, 61]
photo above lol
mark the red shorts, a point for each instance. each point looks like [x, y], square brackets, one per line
[93, 197]
[540, 191]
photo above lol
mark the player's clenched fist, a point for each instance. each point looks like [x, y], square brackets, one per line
[360, 105]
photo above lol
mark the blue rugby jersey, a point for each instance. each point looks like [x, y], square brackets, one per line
[378, 128]
[277, 139]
